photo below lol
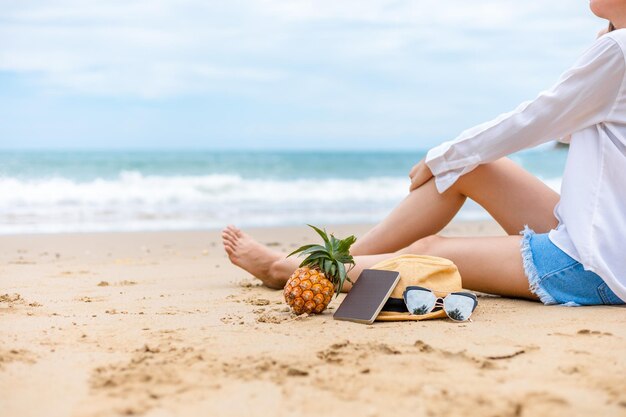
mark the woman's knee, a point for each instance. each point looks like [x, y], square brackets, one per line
[476, 175]
[428, 245]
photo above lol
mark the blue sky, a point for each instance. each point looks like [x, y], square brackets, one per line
[269, 74]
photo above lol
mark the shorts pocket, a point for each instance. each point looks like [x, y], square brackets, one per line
[559, 284]
[608, 297]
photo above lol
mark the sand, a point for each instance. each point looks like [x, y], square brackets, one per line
[160, 324]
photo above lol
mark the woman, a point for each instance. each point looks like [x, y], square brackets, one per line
[572, 245]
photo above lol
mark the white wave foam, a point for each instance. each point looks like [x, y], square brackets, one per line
[133, 201]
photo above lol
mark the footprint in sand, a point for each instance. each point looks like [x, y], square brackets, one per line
[254, 368]
[153, 373]
[338, 352]
[16, 355]
[482, 363]
[540, 403]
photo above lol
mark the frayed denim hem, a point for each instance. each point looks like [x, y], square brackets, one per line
[530, 269]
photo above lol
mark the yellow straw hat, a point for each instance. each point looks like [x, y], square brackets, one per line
[439, 275]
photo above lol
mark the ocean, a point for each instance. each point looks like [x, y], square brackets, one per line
[91, 191]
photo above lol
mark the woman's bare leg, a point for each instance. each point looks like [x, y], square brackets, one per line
[423, 212]
[512, 195]
[487, 264]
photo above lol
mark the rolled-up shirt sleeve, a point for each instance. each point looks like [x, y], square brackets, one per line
[583, 96]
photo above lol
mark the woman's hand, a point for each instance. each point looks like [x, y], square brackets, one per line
[419, 175]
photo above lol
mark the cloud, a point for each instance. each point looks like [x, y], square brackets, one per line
[378, 65]
[162, 48]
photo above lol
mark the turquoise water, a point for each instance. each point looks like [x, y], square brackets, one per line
[90, 165]
[57, 191]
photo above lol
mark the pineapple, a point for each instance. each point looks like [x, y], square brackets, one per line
[321, 273]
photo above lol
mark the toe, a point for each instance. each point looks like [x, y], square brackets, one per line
[235, 230]
[229, 245]
[229, 229]
[229, 248]
[229, 236]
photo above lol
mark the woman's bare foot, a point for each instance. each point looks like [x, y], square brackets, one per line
[248, 254]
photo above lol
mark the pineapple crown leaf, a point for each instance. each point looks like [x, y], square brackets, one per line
[334, 243]
[330, 258]
[308, 249]
[322, 233]
[342, 272]
[344, 245]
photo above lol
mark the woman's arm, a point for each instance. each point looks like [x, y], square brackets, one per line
[568, 138]
[583, 96]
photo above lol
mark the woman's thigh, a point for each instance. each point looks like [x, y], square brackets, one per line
[487, 264]
[513, 196]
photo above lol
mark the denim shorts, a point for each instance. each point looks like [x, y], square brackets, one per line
[557, 278]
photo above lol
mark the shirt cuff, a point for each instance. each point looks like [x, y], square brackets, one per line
[442, 183]
[435, 159]
[447, 172]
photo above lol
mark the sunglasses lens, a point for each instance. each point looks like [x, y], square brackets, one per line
[458, 307]
[420, 301]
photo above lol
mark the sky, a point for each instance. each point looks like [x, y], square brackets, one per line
[270, 74]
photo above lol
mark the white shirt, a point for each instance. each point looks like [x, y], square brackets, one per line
[588, 106]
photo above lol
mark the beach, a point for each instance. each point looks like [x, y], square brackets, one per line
[160, 324]
[133, 133]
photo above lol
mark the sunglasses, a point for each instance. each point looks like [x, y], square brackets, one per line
[457, 305]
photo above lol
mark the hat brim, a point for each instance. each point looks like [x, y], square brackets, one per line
[394, 316]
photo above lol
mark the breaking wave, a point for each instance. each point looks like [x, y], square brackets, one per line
[132, 201]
